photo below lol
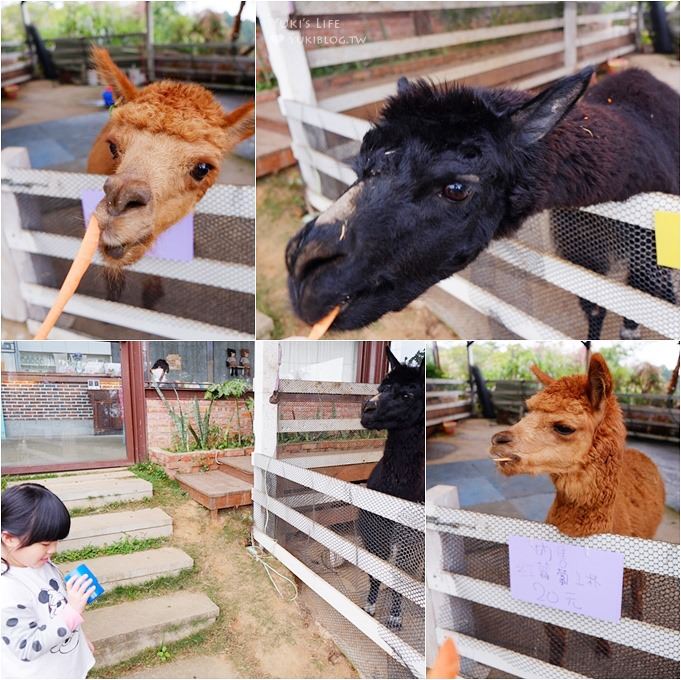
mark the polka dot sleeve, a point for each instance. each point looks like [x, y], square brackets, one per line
[28, 635]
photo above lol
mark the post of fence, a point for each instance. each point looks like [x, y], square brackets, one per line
[290, 66]
[570, 35]
[265, 418]
[445, 553]
[13, 261]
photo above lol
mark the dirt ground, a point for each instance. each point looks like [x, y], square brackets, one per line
[280, 208]
[258, 634]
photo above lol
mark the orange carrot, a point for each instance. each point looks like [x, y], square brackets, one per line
[447, 664]
[80, 264]
[324, 324]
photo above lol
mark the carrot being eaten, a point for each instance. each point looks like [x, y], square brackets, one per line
[81, 262]
[324, 324]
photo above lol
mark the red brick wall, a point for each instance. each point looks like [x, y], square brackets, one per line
[160, 428]
[29, 396]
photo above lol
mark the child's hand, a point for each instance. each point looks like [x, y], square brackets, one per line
[78, 590]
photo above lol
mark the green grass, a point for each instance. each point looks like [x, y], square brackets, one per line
[25, 478]
[160, 586]
[123, 547]
[166, 491]
[150, 658]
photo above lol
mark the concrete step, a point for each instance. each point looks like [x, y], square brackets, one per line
[140, 567]
[121, 631]
[110, 527]
[237, 466]
[216, 490]
[93, 490]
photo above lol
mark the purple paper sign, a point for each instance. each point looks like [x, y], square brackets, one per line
[567, 577]
[175, 243]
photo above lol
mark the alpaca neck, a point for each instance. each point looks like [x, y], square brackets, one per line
[585, 498]
[404, 447]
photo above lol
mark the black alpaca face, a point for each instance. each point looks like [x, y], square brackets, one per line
[400, 398]
[437, 180]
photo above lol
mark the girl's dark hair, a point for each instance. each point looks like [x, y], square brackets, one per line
[34, 514]
[161, 363]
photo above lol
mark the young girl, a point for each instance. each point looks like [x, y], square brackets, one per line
[41, 615]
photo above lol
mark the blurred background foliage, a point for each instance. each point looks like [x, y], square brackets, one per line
[512, 361]
[174, 22]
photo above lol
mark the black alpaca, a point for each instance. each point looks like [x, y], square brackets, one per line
[448, 168]
[399, 408]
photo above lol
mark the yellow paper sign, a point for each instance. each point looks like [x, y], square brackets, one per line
[667, 239]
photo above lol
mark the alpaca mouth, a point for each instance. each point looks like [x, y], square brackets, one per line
[117, 251]
[504, 458]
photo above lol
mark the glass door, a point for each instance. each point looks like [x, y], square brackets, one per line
[63, 406]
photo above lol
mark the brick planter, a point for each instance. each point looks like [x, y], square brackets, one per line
[192, 461]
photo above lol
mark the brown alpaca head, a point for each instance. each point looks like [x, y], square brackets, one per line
[163, 147]
[557, 434]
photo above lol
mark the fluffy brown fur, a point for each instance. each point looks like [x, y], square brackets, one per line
[156, 137]
[575, 433]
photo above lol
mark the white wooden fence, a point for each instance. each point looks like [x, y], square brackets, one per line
[453, 595]
[472, 304]
[328, 495]
[23, 297]
[447, 400]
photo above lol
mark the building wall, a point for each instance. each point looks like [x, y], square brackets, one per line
[160, 427]
[49, 397]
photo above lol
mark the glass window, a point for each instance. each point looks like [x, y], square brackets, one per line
[325, 360]
[197, 364]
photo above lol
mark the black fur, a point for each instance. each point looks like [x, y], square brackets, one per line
[401, 234]
[399, 408]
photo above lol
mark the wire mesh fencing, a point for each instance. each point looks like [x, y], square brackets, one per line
[210, 296]
[591, 272]
[358, 552]
[367, 547]
[470, 579]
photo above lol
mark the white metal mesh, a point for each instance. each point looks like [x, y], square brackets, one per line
[346, 533]
[474, 575]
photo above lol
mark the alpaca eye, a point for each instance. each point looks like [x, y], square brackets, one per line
[200, 170]
[456, 191]
[114, 150]
[563, 429]
[406, 395]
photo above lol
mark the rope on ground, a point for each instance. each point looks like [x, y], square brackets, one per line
[259, 555]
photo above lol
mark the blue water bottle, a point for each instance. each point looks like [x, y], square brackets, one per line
[79, 571]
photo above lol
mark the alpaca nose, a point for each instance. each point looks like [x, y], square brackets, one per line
[311, 249]
[369, 406]
[125, 193]
[505, 437]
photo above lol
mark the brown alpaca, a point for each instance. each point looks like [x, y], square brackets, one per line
[163, 147]
[575, 433]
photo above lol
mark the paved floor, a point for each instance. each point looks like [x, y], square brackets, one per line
[192, 667]
[47, 450]
[462, 460]
[59, 123]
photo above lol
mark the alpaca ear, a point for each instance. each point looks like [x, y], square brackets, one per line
[403, 85]
[422, 367]
[240, 123]
[394, 362]
[599, 381]
[112, 75]
[543, 378]
[540, 115]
